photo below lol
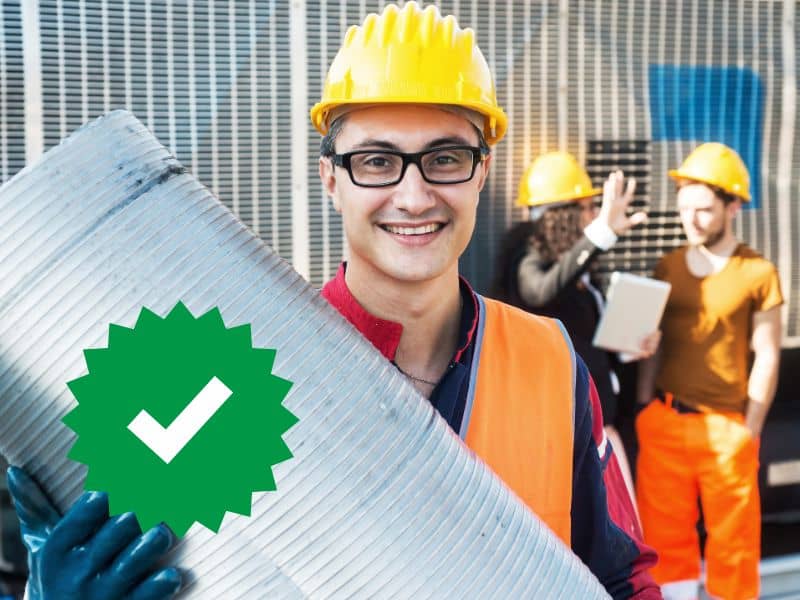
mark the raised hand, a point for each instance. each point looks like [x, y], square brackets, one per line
[617, 197]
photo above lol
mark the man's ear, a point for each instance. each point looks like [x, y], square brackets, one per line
[483, 171]
[327, 175]
[734, 208]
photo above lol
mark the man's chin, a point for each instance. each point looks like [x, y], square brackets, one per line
[697, 240]
[413, 276]
[412, 272]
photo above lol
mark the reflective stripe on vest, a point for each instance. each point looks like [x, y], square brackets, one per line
[520, 407]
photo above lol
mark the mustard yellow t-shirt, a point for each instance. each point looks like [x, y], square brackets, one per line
[707, 326]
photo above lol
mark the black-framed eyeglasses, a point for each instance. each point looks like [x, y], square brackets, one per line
[381, 168]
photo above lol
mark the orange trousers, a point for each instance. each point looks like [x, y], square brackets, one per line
[714, 457]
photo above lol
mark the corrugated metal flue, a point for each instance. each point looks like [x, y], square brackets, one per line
[380, 499]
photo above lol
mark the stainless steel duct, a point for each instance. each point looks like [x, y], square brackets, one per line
[381, 499]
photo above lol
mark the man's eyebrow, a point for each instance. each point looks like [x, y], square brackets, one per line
[376, 143]
[452, 140]
[373, 143]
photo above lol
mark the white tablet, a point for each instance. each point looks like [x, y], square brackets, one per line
[634, 306]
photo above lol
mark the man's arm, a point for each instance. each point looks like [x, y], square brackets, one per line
[605, 533]
[766, 344]
[539, 285]
[646, 380]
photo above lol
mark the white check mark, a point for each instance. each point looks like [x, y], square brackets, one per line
[168, 442]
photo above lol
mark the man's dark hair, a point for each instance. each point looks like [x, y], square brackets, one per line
[726, 197]
[485, 149]
[556, 231]
[327, 145]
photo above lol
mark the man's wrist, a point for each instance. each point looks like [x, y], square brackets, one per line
[600, 234]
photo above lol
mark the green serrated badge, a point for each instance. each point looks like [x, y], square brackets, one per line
[180, 419]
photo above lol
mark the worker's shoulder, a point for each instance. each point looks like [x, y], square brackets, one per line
[674, 256]
[753, 262]
[749, 254]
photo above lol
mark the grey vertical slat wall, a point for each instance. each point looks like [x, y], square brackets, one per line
[326, 25]
[212, 79]
[12, 92]
[792, 287]
[491, 22]
[609, 46]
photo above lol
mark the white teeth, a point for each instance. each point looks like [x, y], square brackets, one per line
[414, 230]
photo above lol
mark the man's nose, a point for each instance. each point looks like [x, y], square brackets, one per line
[412, 193]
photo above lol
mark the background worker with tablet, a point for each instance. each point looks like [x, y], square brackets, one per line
[546, 264]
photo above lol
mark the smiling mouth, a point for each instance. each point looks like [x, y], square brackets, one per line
[421, 230]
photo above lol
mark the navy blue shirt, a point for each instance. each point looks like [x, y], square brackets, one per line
[449, 397]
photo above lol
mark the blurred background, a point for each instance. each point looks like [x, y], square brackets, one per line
[634, 84]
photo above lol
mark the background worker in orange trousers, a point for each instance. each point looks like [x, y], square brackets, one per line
[546, 264]
[700, 433]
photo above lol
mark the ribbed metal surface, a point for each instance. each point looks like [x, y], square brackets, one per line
[380, 500]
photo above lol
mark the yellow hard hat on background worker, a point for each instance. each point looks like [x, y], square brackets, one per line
[411, 56]
[555, 177]
[717, 165]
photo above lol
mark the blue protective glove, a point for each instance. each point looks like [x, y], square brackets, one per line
[85, 555]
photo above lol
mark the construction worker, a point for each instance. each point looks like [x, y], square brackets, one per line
[546, 264]
[409, 114]
[706, 402]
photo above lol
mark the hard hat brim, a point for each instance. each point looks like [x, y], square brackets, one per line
[527, 202]
[494, 129]
[677, 174]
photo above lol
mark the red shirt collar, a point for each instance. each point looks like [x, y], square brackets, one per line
[383, 334]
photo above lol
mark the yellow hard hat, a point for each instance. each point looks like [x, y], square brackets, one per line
[718, 165]
[554, 177]
[411, 56]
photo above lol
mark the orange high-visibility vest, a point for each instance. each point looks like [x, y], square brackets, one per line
[520, 408]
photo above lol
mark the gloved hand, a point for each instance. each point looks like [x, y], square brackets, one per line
[85, 555]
